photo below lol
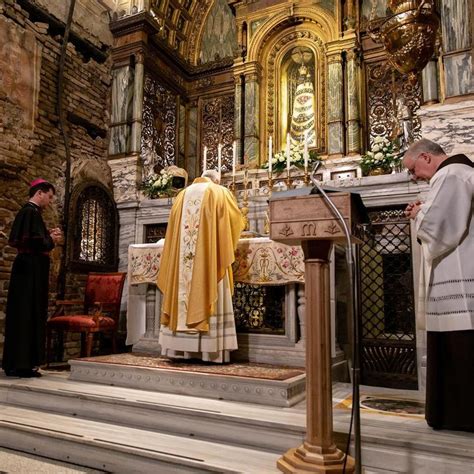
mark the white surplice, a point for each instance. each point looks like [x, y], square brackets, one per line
[445, 226]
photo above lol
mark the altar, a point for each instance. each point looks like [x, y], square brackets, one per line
[260, 262]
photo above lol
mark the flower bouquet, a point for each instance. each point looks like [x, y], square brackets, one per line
[279, 160]
[157, 185]
[381, 159]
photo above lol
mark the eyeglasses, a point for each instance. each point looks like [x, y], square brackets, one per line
[411, 171]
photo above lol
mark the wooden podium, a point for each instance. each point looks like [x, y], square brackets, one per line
[299, 217]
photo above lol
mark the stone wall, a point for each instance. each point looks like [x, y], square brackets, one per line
[31, 144]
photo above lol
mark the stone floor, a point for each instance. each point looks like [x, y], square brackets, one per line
[16, 462]
[124, 421]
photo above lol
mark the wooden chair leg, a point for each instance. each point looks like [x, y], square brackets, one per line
[90, 340]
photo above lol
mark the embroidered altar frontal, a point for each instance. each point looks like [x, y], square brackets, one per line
[258, 261]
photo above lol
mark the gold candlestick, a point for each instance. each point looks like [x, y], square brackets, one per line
[288, 180]
[306, 176]
[245, 202]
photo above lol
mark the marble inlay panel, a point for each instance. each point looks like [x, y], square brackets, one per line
[122, 109]
[219, 39]
[456, 21]
[335, 91]
[451, 126]
[335, 138]
[458, 74]
[251, 108]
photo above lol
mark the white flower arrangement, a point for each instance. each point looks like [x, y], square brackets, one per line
[157, 185]
[381, 156]
[279, 161]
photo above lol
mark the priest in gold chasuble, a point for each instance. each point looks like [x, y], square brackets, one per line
[195, 274]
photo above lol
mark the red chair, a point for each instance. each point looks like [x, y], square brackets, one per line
[100, 314]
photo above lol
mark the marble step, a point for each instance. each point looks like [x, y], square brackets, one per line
[247, 425]
[267, 392]
[390, 443]
[115, 448]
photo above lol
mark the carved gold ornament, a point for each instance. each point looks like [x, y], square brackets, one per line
[409, 35]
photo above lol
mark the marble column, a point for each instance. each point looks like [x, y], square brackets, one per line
[238, 114]
[137, 103]
[430, 82]
[335, 105]
[353, 115]
[122, 110]
[252, 114]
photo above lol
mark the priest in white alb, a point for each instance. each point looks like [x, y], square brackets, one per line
[445, 228]
[195, 277]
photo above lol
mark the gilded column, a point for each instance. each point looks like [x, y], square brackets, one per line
[335, 105]
[352, 100]
[137, 103]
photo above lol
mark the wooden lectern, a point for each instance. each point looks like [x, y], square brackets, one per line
[300, 217]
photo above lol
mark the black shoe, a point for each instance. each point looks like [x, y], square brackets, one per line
[11, 373]
[28, 373]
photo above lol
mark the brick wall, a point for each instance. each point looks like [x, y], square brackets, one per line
[30, 152]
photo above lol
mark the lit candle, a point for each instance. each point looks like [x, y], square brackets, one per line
[204, 161]
[270, 146]
[288, 152]
[234, 157]
[219, 158]
[305, 150]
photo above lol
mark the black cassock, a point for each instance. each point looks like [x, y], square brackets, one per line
[27, 303]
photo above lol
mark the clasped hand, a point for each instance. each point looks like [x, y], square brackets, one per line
[413, 209]
[56, 234]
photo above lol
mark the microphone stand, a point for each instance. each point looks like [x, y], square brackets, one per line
[356, 336]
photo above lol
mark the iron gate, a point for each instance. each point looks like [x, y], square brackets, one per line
[387, 314]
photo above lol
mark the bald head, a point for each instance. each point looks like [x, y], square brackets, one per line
[423, 158]
[213, 175]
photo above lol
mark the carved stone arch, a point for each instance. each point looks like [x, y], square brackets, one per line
[89, 170]
[271, 59]
[320, 21]
[91, 188]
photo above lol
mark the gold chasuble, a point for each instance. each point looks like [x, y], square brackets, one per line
[195, 274]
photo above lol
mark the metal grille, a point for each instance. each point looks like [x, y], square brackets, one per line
[160, 117]
[387, 303]
[155, 232]
[95, 228]
[259, 309]
[217, 126]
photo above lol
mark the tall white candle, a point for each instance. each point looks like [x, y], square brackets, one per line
[234, 157]
[204, 160]
[288, 137]
[219, 158]
[270, 151]
[305, 150]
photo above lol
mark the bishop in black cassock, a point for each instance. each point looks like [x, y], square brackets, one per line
[27, 302]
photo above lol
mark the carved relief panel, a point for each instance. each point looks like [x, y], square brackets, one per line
[217, 126]
[159, 133]
[391, 99]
